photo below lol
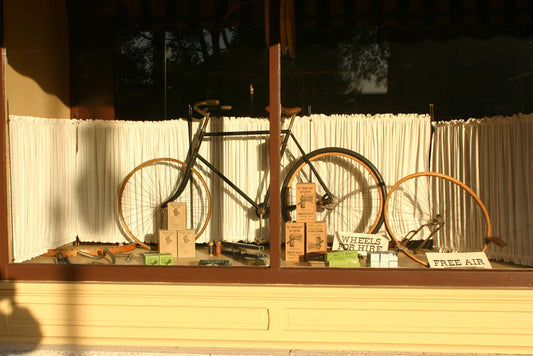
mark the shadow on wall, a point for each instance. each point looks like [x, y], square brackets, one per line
[36, 40]
[17, 325]
[98, 183]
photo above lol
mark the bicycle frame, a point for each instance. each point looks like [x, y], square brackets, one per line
[194, 154]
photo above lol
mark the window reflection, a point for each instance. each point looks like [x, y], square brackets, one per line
[162, 73]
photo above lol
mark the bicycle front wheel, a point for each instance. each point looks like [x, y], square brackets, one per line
[356, 186]
[151, 184]
[430, 206]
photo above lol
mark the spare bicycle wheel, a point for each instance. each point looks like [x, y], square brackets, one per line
[433, 209]
[151, 184]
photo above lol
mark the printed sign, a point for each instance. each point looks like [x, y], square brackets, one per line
[294, 240]
[363, 243]
[168, 242]
[458, 260]
[186, 243]
[176, 216]
[315, 237]
[305, 202]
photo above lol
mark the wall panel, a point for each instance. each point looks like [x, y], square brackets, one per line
[269, 317]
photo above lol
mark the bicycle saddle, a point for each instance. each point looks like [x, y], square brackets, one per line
[287, 111]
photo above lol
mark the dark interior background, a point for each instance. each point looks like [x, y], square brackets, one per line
[151, 60]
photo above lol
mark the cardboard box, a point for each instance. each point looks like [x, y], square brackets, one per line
[342, 255]
[373, 259]
[344, 263]
[186, 243]
[166, 259]
[157, 259]
[175, 216]
[151, 259]
[384, 259]
[294, 240]
[316, 237]
[393, 260]
[305, 202]
[168, 242]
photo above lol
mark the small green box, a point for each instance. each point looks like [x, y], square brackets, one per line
[151, 259]
[335, 256]
[341, 255]
[166, 259]
[353, 263]
[336, 263]
[344, 263]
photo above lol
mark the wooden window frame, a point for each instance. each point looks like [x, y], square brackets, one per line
[274, 274]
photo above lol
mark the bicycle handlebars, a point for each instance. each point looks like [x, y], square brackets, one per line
[212, 103]
[203, 107]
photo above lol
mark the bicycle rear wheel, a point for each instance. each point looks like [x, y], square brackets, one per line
[356, 185]
[430, 206]
[150, 185]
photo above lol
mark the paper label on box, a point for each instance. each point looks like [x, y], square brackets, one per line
[294, 240]
[305, 202]
[166, 259]
[168, 242]
[176, 216]
[458, 260]
[316, 237]
[364, 243]
[186, 243]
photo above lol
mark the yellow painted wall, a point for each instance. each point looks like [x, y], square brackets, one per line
[279, 317]
[37, 77]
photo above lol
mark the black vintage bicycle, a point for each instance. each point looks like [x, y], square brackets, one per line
[350, 190]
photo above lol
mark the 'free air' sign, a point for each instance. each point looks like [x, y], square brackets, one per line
[362, 243]
[458, 260]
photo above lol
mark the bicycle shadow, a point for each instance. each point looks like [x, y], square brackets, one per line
[21, 330]
[97, 181]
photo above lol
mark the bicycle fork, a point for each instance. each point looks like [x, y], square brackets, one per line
[437, 221]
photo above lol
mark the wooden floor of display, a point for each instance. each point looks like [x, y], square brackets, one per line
[137, 257]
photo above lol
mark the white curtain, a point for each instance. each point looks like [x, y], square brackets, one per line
[43, 183]
[397, 145]
[494, 157]
[107, 152]
[89, 160]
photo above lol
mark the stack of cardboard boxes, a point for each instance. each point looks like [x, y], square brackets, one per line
[305, 236]
[175, 240]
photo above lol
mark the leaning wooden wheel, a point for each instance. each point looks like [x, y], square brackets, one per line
[430, 205]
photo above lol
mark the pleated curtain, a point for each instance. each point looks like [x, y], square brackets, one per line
[43, 185]
[494, 156]
[65, 175]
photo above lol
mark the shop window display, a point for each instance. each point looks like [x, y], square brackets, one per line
[213, 81]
